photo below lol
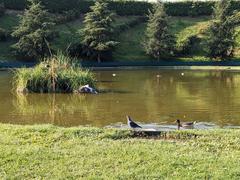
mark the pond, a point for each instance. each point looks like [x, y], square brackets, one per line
[148, 95]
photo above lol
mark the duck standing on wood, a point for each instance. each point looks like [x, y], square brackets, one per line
[132, 124]
[186, 125]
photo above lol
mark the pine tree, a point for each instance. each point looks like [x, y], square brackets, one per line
[221, 36]
[33, 32]
[159, 42]
[97, 32]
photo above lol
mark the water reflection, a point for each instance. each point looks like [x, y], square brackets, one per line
[150, 96]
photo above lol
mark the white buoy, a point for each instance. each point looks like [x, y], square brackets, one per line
[182, 74]
[114, 75]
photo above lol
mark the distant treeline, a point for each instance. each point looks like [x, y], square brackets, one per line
[183, 8]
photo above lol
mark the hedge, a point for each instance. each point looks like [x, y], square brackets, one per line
[2, 9]
[183, 8]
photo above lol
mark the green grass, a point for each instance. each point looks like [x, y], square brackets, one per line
[8, 22]
[57, 74]
[49, 152]
[69, 32]
[5, 51]
[130, 47]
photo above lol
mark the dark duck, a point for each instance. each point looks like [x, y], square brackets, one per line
[186, 125]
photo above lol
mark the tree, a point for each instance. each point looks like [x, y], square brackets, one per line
[33, 32]
[97, 32]
[221, 35]
[158, 42]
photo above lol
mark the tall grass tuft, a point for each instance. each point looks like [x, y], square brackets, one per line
[58, 74]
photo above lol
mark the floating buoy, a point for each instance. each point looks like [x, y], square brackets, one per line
[158, 76]
[114, 75]
[182, 74]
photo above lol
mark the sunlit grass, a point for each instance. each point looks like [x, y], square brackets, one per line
[51, 152]
[56, 74]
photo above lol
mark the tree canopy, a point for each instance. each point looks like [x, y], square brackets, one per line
[222, 34]
[98, 30]
[159, 42]
[33, 32]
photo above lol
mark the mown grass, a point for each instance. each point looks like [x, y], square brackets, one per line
[51, 152]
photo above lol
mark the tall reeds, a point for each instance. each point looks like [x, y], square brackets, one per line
[58, 74]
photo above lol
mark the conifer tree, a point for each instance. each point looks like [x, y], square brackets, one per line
[158, 42]
[221, 35]
[33, 32]
[97, 32]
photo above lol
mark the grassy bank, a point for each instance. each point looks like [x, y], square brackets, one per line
[130, 47]
[53, 152]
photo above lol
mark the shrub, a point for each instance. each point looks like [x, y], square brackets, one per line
[185, 44]
[2, 9]
[3, 34]
[58, 74]
[183, 8]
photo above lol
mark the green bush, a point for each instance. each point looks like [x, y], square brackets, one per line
[185, 45]
[2, 9]
[58, 74]
[3, 34]
[123, 7]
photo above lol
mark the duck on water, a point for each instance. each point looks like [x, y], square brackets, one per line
[185, 125]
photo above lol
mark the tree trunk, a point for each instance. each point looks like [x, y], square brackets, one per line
[98, 58]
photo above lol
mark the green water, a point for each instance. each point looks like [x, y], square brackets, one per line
[149, 96]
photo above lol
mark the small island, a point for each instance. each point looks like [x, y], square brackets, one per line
[57, 74]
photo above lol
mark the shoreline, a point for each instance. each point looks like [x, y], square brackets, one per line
[175, 65]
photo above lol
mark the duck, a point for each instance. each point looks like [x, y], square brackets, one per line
[186, 125]
[132, 124]
[87, 89]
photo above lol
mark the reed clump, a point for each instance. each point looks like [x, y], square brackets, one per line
[58, 74]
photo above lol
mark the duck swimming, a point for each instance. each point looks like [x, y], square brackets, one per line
[186, 125]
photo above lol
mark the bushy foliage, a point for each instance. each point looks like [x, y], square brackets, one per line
[33, 32]
[183, 8]
[221, 37]
[2, 9]
[98, 30]
[159, 42]
[56, 74]
[3, 34]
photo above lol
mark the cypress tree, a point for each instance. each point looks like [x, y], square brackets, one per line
[33, 32]
[158, 42]
[221, 35]
[97, 32]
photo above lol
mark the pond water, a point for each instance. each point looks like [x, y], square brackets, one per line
[148, 95]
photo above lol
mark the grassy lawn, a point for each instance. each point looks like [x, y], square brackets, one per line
[5, 51]
[69, 32]
[50, 152]
[8, 22]
[130, 47]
